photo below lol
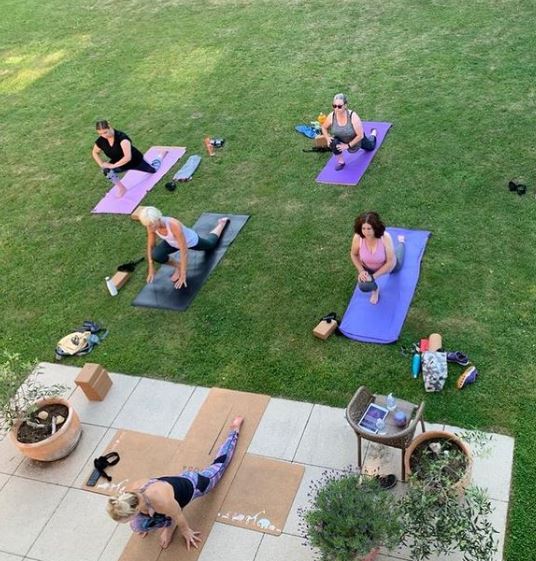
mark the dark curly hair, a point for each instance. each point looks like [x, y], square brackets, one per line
[372, 218]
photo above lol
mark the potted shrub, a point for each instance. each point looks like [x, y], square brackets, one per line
[441, 512]
[351, 517]
[43, 426]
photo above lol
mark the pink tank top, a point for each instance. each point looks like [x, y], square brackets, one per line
[372, 261]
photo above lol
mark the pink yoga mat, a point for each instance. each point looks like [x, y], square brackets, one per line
[138, 183]
[356, 163]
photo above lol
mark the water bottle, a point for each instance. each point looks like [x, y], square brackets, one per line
[391, 402]
[112, 289]
[416, 365]
[380, 425]
[321, 118]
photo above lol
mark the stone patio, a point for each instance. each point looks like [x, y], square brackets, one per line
[45, 517]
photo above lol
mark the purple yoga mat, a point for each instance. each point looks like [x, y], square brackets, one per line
[138, 183]
[356, 163]
[382, 322]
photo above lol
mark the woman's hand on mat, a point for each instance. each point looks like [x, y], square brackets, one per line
[179, 278]
[150, 276]
[191, 538]
[363, 276]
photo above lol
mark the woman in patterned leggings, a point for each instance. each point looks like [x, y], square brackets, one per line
[157, 503]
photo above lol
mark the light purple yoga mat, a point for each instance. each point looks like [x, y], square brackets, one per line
[356, 163]
[382, 322]
[138, 183]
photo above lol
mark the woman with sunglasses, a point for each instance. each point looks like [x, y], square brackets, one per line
[343, 131]
[123, 156]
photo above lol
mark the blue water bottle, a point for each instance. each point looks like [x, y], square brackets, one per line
[416, 365]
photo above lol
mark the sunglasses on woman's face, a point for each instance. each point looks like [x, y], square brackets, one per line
[335, 106]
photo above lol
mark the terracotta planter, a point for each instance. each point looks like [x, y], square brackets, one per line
[56, 446]
[442, 435]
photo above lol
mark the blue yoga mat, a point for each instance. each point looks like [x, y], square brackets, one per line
[382, 322]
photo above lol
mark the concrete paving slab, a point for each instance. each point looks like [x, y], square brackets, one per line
[189, 413]
[25, 504]
[53, 373]
[153, 407]
[229, 543]
[281, 429]
[104, 412]
[9, 557]
[79, 529]
[328, 440]
[4, 478]
[64, 472]
[10, 458]
[118, 541]
[381, 459]
[284, 548]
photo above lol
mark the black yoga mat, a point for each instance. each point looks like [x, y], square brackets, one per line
[162, 294]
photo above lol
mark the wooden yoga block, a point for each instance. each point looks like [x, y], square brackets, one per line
[120, 278]
[136, 214]
[320, 142]
[94, 381]
[324, 329]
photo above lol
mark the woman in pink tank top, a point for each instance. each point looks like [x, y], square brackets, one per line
[373, 252]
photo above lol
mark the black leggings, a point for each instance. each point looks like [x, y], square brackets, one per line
[163, 250]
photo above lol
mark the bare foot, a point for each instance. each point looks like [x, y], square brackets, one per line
[237, 423]
[166, 535]
[374, 297]
[401, 238]
[120, 191]
[222, 222]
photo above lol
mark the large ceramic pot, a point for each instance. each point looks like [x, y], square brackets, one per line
[430, 436]
[56, 446]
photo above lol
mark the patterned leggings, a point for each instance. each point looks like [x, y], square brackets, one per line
[145, 523]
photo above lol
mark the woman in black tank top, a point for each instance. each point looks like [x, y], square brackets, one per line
[343, 131]
[157, 503]
[122, 155]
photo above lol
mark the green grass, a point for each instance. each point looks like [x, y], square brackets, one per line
[455, 78]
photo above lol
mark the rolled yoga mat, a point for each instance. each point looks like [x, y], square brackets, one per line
[162, 294]
[356, 163]
[382, 322]
[138, 183]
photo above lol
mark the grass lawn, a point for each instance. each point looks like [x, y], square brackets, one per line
[456, 79]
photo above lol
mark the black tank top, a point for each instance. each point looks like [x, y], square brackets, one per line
[115, 151]
[183, 489]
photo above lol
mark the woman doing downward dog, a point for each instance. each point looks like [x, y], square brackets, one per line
[373, 253]
[157, 503]
[175, 236]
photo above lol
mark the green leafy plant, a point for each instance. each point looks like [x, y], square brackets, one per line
[350, 516]
[20, 390]
[439, 516]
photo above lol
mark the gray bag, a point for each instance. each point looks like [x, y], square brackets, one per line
[434, 370]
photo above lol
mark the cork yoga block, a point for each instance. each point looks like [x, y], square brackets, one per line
[94, 381]
[324, 329]
[120, 278]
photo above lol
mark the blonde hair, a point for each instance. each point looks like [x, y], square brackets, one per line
[122, 506]
[150, 215]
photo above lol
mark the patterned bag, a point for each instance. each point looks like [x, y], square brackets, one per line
[434, 370]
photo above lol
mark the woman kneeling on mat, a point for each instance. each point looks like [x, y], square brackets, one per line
[123, 155]
[175, 237]
[346, 131]
[373, 253]
[157, 503]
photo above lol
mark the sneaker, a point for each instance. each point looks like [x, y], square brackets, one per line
[458, 357]
[468, 376]
[387, 481]
[339, 166]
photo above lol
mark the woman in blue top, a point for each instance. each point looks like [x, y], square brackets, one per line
[343, 131]
[123, 156]
[175, 237]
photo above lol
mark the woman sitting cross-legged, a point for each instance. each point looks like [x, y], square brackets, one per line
[157, 503]
[175, 237]
[343, 131]
[373, 253]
